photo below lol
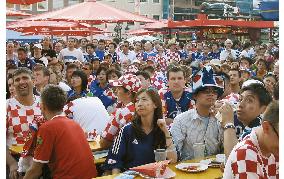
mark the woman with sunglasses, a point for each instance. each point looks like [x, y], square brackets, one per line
[137, 140]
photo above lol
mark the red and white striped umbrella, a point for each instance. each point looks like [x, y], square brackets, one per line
[24, 2]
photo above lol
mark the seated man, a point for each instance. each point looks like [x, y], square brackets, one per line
[60, 141]
[197, 125]
[257, 156]
[253, 100]
[177, 98]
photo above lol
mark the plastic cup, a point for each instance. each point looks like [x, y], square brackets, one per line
[160, 155]
[198, 150]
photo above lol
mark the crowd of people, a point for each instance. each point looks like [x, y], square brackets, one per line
[140, 97]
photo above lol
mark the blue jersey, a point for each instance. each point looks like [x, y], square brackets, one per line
[29, 63]
[128, 151]
[149, 55]
[99, 92]
[196, 56]
[241, 130]
[72, 93]
[89, 58]
[182, 54]
[100, 54]
[214, 55]
[173, 107]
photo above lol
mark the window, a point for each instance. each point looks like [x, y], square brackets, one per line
[143, 0]
[130, 23]
[58, 4]
[131, 1]
[156, 1]
[156, 17]
[42, 6]
[10, 6]
[71, 2]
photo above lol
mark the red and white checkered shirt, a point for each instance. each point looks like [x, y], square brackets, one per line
[246, 161]
[119, 118]
[162, 61]
[18, 119]
[172, 56]
[90, 79]
[158, 80]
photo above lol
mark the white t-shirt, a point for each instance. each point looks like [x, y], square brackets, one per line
[89, 113]
[64, 86]
[70, 56]
[131, 56]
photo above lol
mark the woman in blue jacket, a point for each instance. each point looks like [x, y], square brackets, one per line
[137, 140]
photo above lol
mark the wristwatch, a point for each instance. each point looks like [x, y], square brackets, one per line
[229, 125]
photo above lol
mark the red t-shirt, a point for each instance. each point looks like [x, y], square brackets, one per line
[62, 144]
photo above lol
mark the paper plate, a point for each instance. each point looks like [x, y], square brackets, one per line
[192, 167]
[168, 174]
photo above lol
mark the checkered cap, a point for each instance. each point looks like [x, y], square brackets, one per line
[128, 81]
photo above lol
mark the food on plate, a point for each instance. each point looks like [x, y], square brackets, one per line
[192, 168]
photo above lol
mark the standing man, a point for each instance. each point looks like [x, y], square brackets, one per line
[111, 50]
[41, 77]
[10, 53]
[37, 57]
[61, 142]
[48, 52]
[100, 52]
[70, 54]
[58, 47]
[126, 54]
[235, 79]
[228, 52]
[21, 111]
[24, 61]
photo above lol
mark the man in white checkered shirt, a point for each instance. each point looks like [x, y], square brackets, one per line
[198, 125]
[21, 111]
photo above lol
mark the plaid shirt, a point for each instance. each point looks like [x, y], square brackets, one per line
[119, 118]
[246, 161]
[18, 120]
[189, 128]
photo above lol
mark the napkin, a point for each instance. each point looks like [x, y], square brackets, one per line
[156, 169]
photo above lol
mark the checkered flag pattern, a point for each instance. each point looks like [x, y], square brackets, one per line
[18, 119]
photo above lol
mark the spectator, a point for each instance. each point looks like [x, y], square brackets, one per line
[126, 54]
[197, 125]
[24, 61]
[48, 52]
[147, 132]
[257, 155]
[79, 82]
[58, 140]
[37, 56]
[228, 52]
[41, 77]
[100, 51]
[235, 79]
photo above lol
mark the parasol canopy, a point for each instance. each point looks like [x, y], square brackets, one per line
[10, 12]
[139, 32]
[79, 32]
[24, 2]
[92, 12]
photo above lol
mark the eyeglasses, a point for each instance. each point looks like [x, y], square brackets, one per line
[209, 90]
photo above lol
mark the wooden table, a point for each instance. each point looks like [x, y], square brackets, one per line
[17, 149]
[210, 173]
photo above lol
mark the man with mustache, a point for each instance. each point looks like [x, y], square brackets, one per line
[253, 101]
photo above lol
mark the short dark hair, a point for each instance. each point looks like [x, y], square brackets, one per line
[21, 70]
[53, 97]
[260, 91]
[101, 68]
[144, 74]
[23, 49]
[114, 44]
[174, 69]
[235, 69]
[71, 66]
[41, 67]
[110, 71]
[271, 114]
[101, 40]
[247, 59]
[83, 77]
[90, 45]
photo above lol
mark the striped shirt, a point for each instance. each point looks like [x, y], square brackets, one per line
[189, 128]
